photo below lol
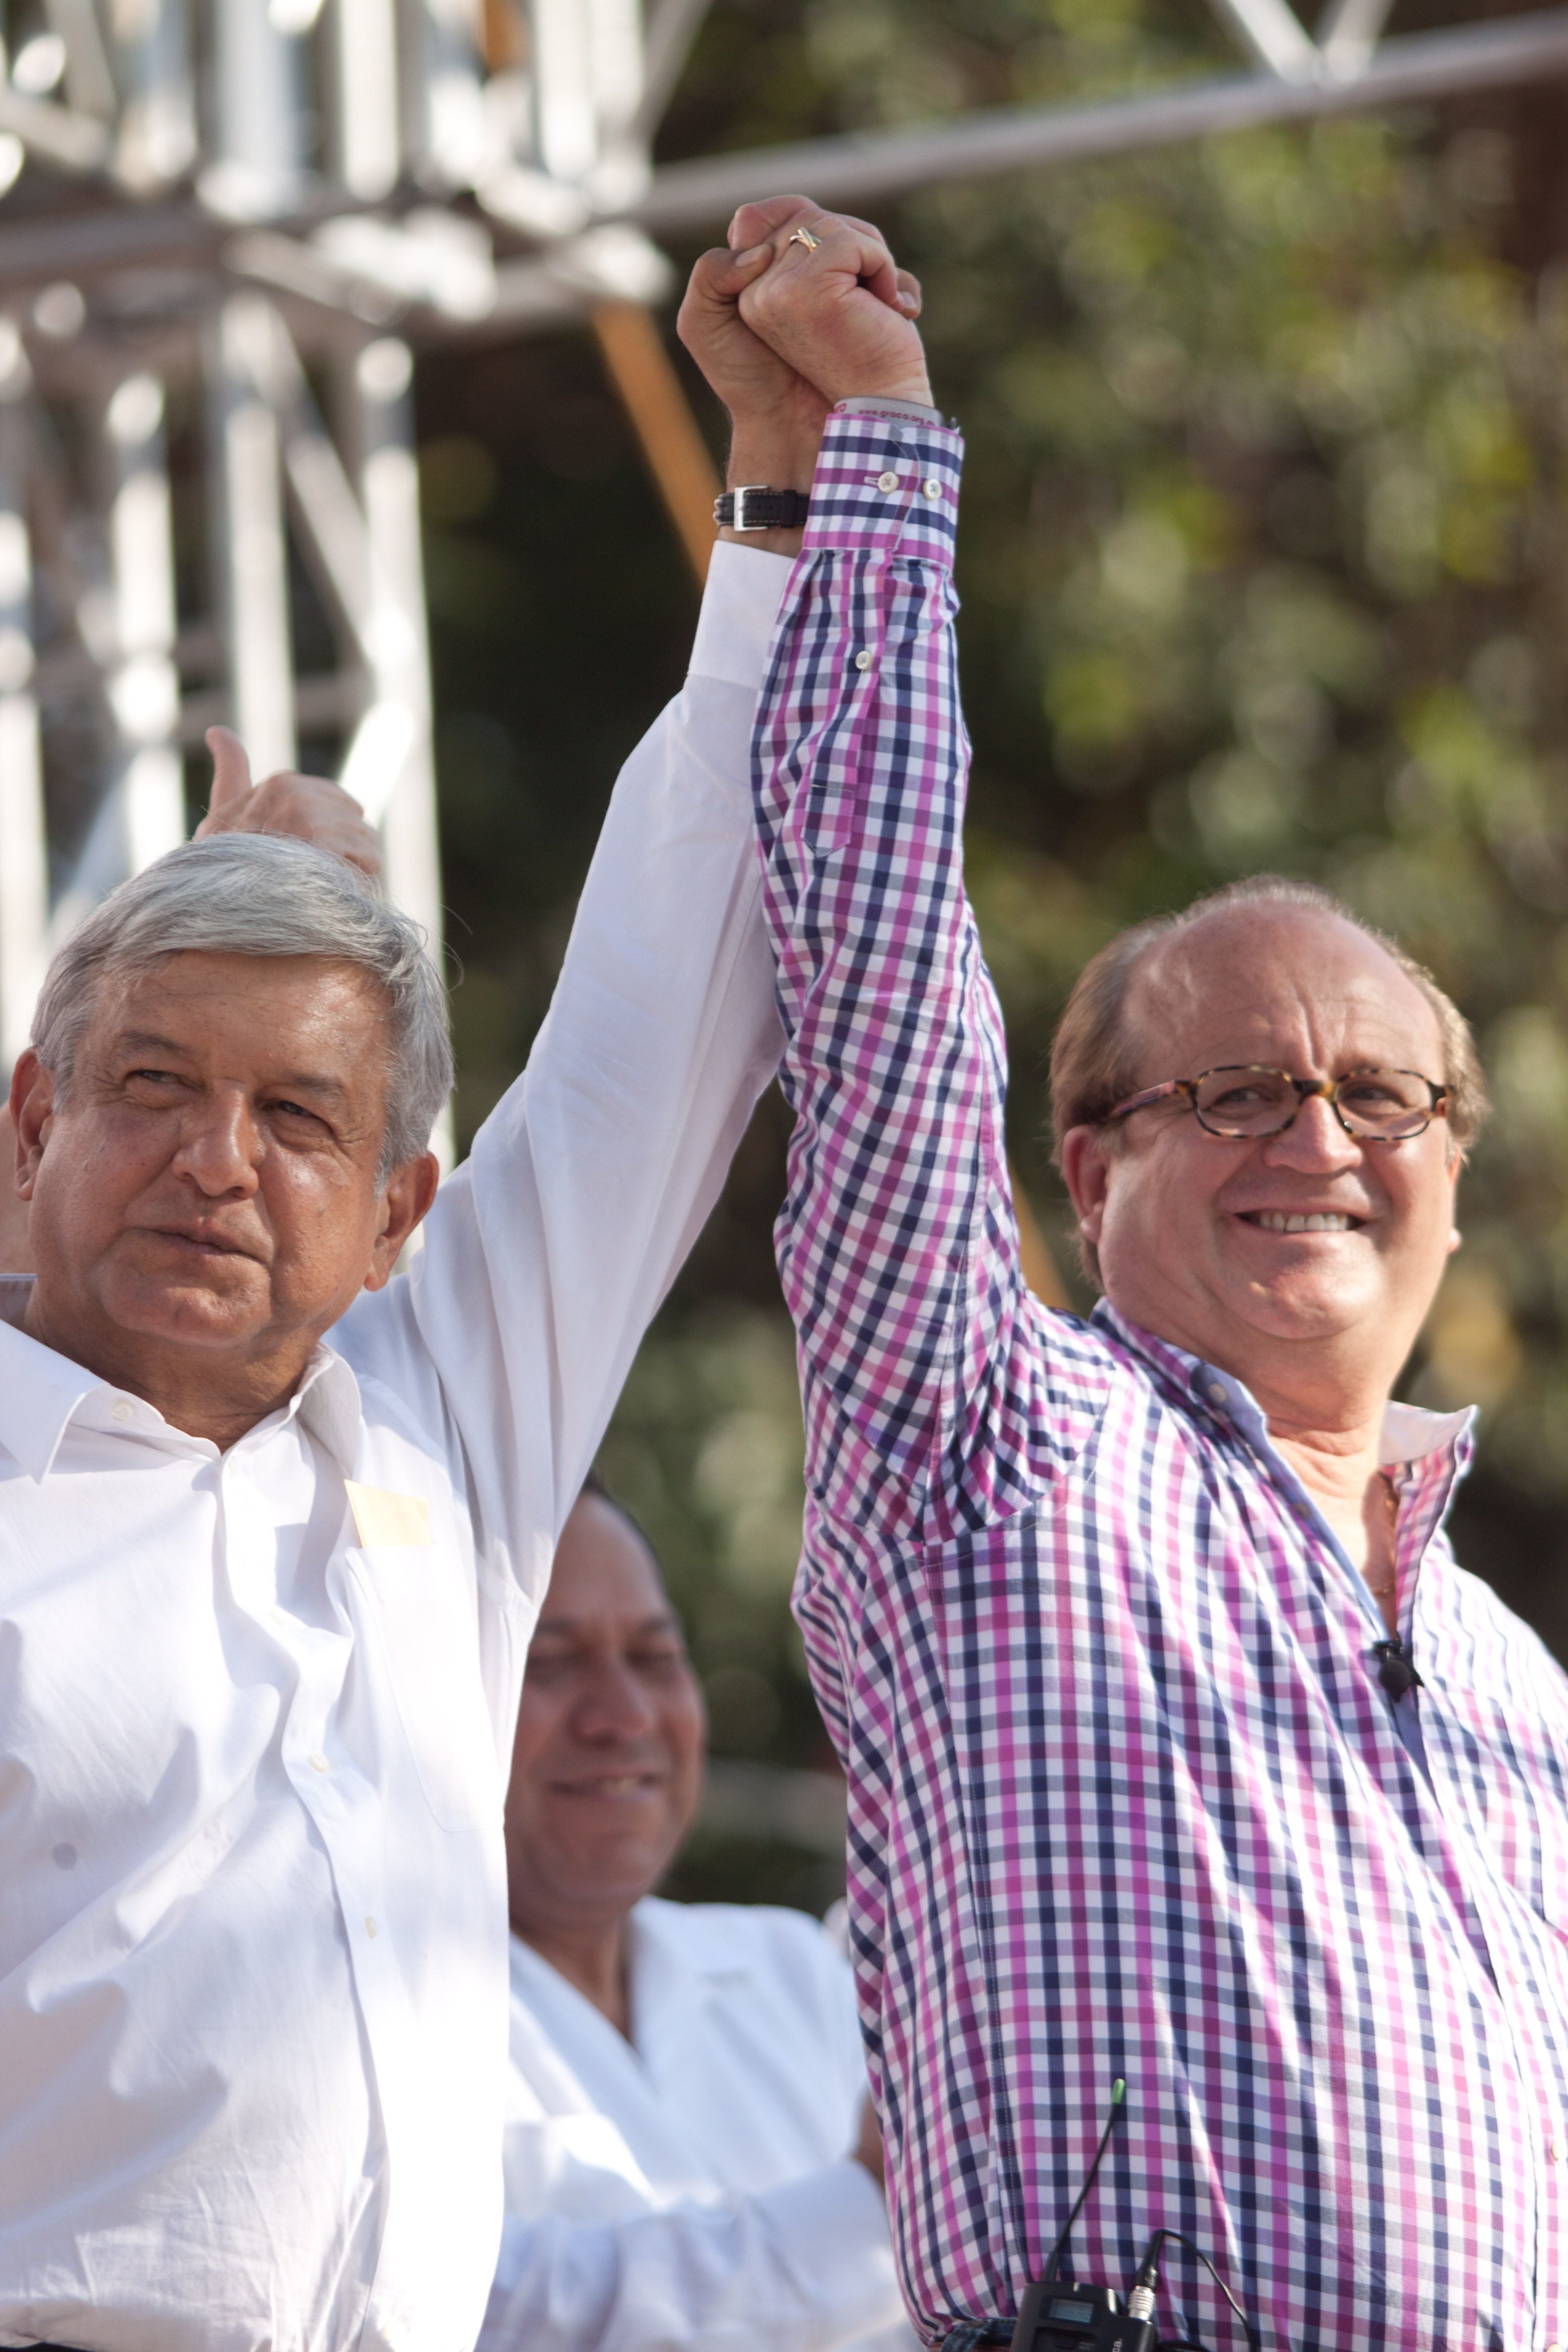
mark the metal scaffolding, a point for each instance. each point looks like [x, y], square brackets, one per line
[225, 227]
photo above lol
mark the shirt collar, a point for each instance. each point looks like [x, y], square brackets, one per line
[1410, 1432]
[41, 1390]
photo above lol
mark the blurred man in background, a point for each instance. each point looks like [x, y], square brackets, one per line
[691, 2161]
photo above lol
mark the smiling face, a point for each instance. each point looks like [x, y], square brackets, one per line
[205, 1200]
[1308, 1254]
[607, 1764]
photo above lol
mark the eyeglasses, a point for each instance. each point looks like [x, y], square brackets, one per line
[1250, 1099]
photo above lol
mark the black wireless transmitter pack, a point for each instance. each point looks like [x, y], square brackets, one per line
[1058, 2315]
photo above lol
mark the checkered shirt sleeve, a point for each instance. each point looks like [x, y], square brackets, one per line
[897, 1244]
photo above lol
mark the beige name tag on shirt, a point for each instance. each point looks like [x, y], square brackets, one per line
[383, 1517]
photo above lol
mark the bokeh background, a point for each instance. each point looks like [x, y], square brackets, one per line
[1265, 564]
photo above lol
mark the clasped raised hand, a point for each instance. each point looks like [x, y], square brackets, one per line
[780, 353]
[831, 303]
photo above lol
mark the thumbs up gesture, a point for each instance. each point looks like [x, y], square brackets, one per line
[309, 808]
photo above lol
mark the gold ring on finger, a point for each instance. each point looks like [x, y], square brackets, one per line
[803, 236]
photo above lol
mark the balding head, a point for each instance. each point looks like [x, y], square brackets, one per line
[1204, 1240]
[1096, 1053]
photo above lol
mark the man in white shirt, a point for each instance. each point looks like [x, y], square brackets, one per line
[691, 2164]
[265, 1601]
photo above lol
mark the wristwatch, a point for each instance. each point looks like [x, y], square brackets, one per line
[756, 508]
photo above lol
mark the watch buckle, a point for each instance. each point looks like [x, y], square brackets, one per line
[751, 490]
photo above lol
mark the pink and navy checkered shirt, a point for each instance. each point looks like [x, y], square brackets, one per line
[1126, 1794]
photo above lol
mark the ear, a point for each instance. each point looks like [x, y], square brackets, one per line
[1455, 1236]
[410, 1191]
[1087, 1173]
[33, 1111]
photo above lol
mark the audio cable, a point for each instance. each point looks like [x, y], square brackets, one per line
[1146, 2286]
[1053, 2317]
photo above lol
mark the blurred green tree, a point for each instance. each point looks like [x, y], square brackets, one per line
[1263, 567]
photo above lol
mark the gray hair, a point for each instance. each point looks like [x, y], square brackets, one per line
[261, 895]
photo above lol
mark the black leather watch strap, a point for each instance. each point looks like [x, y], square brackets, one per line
[756, 508]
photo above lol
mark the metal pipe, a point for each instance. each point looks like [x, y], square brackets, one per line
[157, 135]
[260, 114]
[90, 85]
[368, 140]
[672, 29]
[1350, 31]
[392, 758]
[144, 689]
[249, 520]
[1271, 33]
[24, 869]
[885, 164]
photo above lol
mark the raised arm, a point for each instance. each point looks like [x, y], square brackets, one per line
[897, 1244]
[547, 1253]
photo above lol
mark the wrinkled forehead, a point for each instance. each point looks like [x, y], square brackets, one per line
[210, 996]
[1287, 985]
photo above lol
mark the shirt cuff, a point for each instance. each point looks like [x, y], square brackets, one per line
[740, 604]
[887, 484]
[833, 2226]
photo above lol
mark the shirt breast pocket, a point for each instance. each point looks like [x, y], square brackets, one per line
[426, 1617]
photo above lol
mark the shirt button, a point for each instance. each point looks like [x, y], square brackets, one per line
[887, 481]
[862, 659]
[123, 1412]
[1556, 2151]
[932, 489]
[1217, 1394]
[370, 1926]
[317, 1761]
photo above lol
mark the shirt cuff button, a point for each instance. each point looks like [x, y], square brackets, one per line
[932, 489]
[887, 481]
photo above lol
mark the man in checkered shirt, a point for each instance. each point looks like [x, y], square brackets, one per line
[1179, 1748]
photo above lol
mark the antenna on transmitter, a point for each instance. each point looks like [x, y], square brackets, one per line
[1118, 2093]
[1063, 2319]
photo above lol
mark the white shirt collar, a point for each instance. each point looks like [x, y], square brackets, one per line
[1410, 1431]
[42, 1392]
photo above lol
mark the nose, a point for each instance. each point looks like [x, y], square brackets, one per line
[615, 1707]
[1314, 1142]
[217, 1147]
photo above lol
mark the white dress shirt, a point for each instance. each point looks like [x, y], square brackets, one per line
[257, 1708]
[689, 2191]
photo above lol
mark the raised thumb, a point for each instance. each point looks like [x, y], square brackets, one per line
[231, 770]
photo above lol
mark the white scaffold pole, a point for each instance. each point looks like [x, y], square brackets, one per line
[391, 762]
[250, 522]
[144, 689]
[23, 871]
